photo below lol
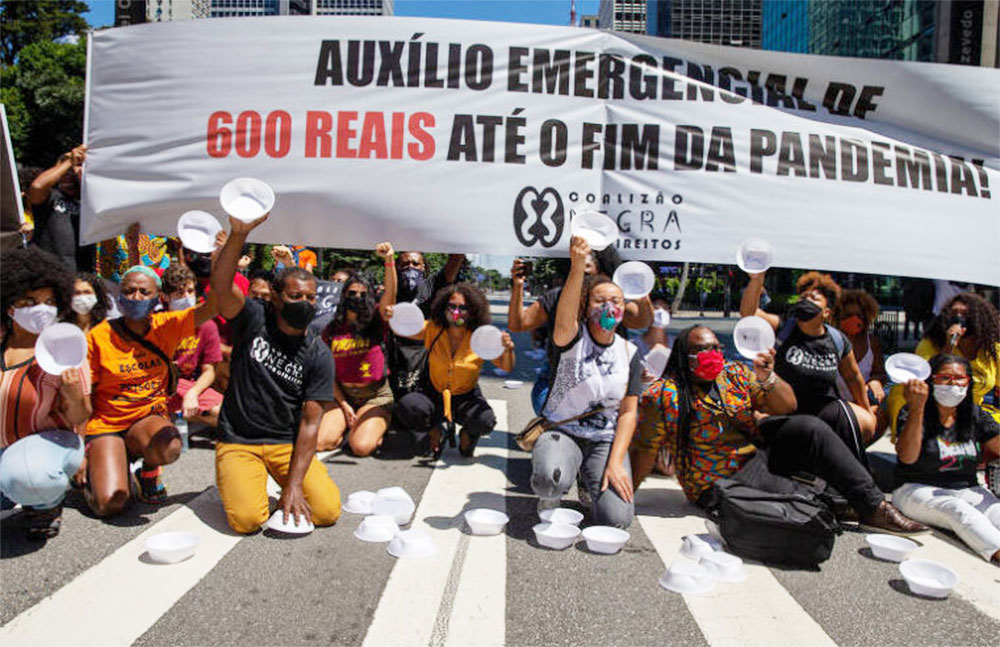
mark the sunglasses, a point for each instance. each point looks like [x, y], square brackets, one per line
[457, 308]
[957, 380]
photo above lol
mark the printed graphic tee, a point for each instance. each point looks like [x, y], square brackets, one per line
[359, 359]
[810, 365]
[199, 349]
[944, 460]
[56, 222]
[129, 382]
[272, 375]
[590, 375]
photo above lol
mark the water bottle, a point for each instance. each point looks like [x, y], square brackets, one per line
[182, 429]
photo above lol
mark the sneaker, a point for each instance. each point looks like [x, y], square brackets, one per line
[40, 525]
[887, 518]
[547, 504]
[151, 489]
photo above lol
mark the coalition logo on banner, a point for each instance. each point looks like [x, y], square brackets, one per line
[488, 138]
[538, 216]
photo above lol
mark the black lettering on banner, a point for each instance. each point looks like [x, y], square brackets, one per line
[554, 137]
[550, 75]
[489, 124]
[790, 155]
[689, 148]
[984, 179]
[762, 142]
[853, 160]
[823, 157]
[775, 85]
[913, 170]
[641, 149]
[390, 65]
[940, 173]
[838, 98]
[413, 62]
[798, 91]
[703, 78]
[590, 144]
[454, 65]
[726, 76]
[880, 163]
[328, 68]
[515, 68]
[610, 73]
[962, 180]
[669, 92]
[479, 67]
[431, 78]
[463, 139]
[610, 146]
[360, 65]
[641, 86]
[721, 153]
[865, 104]
[514, 139]
[582, 73]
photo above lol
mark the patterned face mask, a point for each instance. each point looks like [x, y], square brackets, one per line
[607, 315]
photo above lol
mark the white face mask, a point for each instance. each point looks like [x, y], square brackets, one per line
[182, 304]
[661, 318]
[84, 303]
[949, 395]
[35, 319]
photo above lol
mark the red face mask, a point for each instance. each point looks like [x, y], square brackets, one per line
[708, 364]
[852, 325]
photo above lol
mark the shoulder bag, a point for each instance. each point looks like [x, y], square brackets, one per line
[173, 373]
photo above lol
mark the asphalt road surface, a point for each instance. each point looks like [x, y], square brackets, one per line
[95, 585]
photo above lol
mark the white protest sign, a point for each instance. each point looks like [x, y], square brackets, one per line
[467, 136]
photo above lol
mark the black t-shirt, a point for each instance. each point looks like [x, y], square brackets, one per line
[811, 365]
[272, 374]
[944, 460]
[57, 221]
[405, 356]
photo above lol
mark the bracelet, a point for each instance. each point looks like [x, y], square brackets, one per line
[769, 384]
[390, 263]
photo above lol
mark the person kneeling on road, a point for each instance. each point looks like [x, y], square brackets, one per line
[281, 383]
[713, 414]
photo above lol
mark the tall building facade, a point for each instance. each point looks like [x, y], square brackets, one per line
[622, 15]
[735, 23]
[352, 7]
[962, 32]
[590, 20]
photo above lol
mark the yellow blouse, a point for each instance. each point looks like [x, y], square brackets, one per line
[452, 373]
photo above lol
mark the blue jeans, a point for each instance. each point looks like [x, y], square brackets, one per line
[35, 471]
[540, 390]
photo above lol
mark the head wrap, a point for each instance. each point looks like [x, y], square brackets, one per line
[142, 269]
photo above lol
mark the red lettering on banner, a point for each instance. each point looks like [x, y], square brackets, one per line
[248, 134]
[345, 133]
[220, 139]
[278, 133]
[398, 133]
[318, 126]
[373, 136]
[417, 122]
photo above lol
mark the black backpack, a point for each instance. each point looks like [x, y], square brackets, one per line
[793, 528]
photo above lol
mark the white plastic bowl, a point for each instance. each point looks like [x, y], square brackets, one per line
[487, 342]
[723, 567]
[903, 367]
[890, 547]
[59, 347]
[635, 278]
[277, 523]
[925, 577]
[656, 360]
[513, 384]
[694, 547]
[596, 228]
[407, 319]
[606, 540]
[197, 231]
[484, 521]
[359, 502]
[247, 198]
[376, 528]
[754, 256]
[558, 536]
[400, 510]
[686, 577]
[753, 335]
[561, 515]
[411, 543]
[172, 547]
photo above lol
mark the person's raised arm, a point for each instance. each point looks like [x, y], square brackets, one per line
[911, 438]
[750, 302]
[568, 311]
[506, 360]
[227, 299]
[451, 268]
[384, 250]
[38, 191]
[515, 309]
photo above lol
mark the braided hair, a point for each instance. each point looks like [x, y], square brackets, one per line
[679, 370]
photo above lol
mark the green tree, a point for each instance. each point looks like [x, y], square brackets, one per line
[44, 94]
[25, 22]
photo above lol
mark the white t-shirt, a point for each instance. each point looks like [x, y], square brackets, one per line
[589, 375]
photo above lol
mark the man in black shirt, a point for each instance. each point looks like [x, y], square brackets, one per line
[280, 385]
[55, 205]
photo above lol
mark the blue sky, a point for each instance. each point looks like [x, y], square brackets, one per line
[543, 12]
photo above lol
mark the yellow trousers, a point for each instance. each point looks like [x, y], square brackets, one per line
[241, 476]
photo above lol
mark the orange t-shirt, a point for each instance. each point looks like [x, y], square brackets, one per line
[129, 382]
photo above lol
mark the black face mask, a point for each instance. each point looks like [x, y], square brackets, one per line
[354, 302]
[298, 314]
[410, 281]
[805, 310]
[199, 264]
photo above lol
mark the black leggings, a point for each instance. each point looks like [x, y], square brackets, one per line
[419, 412]
[800, 443]
[839, 415]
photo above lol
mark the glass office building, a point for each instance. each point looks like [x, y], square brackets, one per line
[721, 22]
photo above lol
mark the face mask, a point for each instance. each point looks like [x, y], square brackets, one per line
[354, 302]
[199, 264]
[182, 304]
[708, 364]
[853, 325]
[805, 310]
[956, 319]
[661, 318]
[949, 395]
[135, 308]
[607, 316]
[410, 281]
[84, 303]
[298, 314]
[456, 316]
[35, 319]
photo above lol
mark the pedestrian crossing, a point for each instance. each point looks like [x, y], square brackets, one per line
[475, 590]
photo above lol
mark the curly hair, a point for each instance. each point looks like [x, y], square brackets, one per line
[367, 325]
[176, 277]
[27, 269]
[982, 323]
[100, 311]
[475, 300]
[860, 298]
[822, 282]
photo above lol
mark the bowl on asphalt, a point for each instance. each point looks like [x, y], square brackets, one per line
[561, 515]
[686, 577]
[556, 535]
[925, 577]
[277, 523]
[606, 540]
[359, 502]
[484, 521]
[723, 567]
[694, 547]
[411, 543]
[890, 547]
[172, 547]
[376, 528]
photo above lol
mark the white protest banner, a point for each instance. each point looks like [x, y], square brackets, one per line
[463, 136]
[11, 209]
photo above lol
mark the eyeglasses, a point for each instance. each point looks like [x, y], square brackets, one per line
[957, 380]
[457, 308]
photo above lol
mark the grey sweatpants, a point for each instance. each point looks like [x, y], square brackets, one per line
[555, 461]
